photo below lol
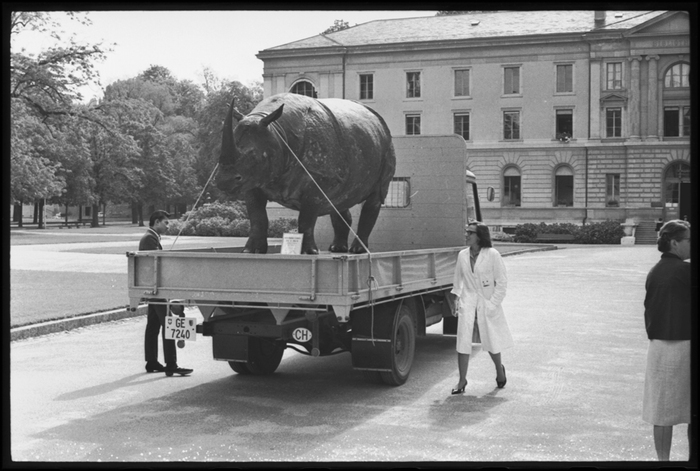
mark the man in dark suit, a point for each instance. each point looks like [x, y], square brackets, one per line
[155, 322]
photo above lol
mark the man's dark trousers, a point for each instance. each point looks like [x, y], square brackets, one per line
[155, 323]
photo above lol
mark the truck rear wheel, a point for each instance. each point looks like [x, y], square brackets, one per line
[239, 367]
[403, 342]
[264, 355]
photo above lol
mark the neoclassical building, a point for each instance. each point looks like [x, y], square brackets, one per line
[571, 116]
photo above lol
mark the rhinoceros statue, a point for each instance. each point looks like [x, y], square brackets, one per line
[343, 144]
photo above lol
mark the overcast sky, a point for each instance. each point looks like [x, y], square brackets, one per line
[187, 41]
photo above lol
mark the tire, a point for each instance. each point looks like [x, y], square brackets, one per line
[264, 355]
[239, 367]
[403, 343]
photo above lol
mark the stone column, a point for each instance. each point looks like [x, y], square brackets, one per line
[653, 122]
[634, 99]
[594, 104]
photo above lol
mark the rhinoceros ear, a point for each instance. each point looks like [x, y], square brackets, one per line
[272, 116]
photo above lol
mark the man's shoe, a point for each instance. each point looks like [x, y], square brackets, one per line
[169, 371]
[154, 367]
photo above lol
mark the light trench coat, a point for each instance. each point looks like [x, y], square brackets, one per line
[480, 294]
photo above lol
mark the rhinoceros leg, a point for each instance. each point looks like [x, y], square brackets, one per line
[307, 224]
[368, 217]
[256, 202]
[340, 231]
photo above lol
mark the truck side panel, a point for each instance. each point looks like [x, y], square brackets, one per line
[435, 216]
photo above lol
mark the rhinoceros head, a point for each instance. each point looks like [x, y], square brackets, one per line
[249, 151]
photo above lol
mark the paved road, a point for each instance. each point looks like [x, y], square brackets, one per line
[575, 379]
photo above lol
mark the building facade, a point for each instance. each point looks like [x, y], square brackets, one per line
[571, 116]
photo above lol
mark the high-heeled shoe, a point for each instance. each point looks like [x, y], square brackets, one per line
[460, 390]
[501, 384]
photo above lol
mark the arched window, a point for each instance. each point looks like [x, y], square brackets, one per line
[677, 76]
[563, 186]
[304, 87]
[511, 186]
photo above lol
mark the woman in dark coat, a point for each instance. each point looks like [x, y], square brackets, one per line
[667, 319]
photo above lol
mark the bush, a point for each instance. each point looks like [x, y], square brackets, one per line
[229, 210]
[214, 226]
[606, 232]
[224, 220]
[279, 226]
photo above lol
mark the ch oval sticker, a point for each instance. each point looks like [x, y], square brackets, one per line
[301, 334]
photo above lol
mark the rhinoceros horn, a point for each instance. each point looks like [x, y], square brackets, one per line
[229, 153]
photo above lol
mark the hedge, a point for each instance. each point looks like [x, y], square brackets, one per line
[224, 220]
[605, 232]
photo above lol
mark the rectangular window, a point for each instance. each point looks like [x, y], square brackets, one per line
[366, 87]
[614, 76]
[461, 125]
[511, 80]
[564, 187]
[399, 193]
[462, 82]
[511, 125]
[412, 84]
[412, 124]
[511, 190]
[613, 122]
[565, 124]
[565, 78]
[612, 189]
[676, 121]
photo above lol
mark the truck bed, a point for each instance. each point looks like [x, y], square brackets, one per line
[312, 282]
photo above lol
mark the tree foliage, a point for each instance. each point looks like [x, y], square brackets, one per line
[151, 140]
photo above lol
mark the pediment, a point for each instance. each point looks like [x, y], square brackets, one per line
[613, 97]
[670, 23]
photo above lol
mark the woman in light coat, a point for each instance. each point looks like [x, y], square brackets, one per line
[480, 285]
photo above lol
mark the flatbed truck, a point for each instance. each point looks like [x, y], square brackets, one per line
[372, 305]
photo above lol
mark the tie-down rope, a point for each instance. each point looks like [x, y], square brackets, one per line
[370, 279]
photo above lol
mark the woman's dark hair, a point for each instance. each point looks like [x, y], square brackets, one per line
[671, 230]
[483, 233]
[157, 216]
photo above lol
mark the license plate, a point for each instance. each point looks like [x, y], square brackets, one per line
[180, 328]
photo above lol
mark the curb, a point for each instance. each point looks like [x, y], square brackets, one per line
[70, 323]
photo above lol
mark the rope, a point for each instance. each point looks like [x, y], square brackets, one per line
[216, 167]
[274, 127]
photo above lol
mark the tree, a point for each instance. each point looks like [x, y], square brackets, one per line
[165, 129]
[338, 25]
[211, 117]
[44, 96]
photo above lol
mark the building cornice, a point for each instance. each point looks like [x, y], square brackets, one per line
[421, 46]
